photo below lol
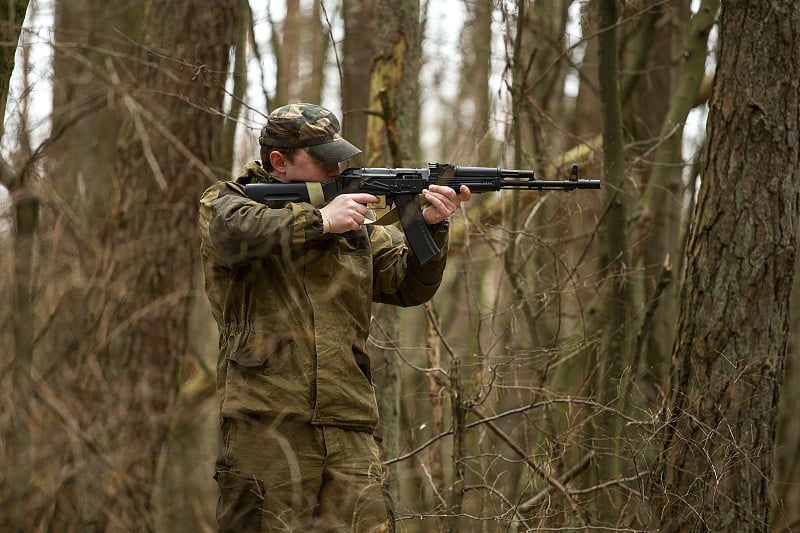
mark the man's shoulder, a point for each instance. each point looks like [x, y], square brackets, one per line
[253, 172]
[221, 189]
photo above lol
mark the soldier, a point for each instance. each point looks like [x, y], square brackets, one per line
[291, 292]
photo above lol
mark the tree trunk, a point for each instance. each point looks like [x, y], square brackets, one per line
[26, 217]
[139, 90]
[318, 35]
[662, 201]
[359, 27]
[393, 94]
[393, 82]
[732, 335]
[472, 109]
[286, 45]
[616, 302]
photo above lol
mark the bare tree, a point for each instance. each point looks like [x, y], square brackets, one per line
[731, 344]
[359, 24]
[532, 392]
[136, 135]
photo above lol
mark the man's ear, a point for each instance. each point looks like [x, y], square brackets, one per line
[277, 160]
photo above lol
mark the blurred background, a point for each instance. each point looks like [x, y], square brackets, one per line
[532, 393]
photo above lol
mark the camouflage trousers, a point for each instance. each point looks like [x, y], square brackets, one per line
[292, 476]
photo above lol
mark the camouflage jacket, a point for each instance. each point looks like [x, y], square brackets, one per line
[293, 304]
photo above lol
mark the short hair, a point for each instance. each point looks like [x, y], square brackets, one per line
[288, 153]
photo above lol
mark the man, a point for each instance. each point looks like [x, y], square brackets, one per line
[291, 291]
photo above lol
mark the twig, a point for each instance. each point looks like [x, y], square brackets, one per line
[335, 52]
[522, 409]
[553, 482]
[568, 476]
[432, 484]
[435, 323]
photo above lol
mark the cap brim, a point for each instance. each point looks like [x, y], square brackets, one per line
[333, 152]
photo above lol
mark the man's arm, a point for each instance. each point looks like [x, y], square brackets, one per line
[398, 276]
[235, 229]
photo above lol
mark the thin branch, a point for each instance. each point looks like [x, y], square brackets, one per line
[335, 53]
[568, 400]
[565, 478]
[144, 137]
[553, 482]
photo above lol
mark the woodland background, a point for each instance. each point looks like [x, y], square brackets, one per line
[614, 360]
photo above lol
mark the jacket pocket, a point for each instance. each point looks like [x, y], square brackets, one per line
[363, 362]
[241, 502]
[253, 351]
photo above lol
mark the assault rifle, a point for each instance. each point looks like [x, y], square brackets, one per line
[402, 186]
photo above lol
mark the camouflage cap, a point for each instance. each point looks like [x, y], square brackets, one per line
[307, 126]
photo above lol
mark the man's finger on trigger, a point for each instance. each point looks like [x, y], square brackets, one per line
[366, 198]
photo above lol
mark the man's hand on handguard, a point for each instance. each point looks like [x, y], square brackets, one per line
[442, 202]
[349, 211]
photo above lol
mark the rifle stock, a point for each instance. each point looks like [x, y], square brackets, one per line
[402, 186]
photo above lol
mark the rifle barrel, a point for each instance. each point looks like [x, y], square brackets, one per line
[540, 185]
[492, 172]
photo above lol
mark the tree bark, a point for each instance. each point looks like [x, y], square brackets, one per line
[389, 141]
[286, 47]
[396, 53]
[356, 60]
[472, 109]
[616, 303]
[140, 89]
[616, 291]
[661, 203]
[732, 335]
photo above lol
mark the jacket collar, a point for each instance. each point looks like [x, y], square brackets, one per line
[254, 172]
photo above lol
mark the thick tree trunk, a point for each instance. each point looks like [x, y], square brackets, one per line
[393, 93]
[187, 62]
[138, 89]
[393, 82]
[359, 25]
[661, 203]
[732, 333]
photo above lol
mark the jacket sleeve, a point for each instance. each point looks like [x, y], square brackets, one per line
[235, 229]
[398, 278]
